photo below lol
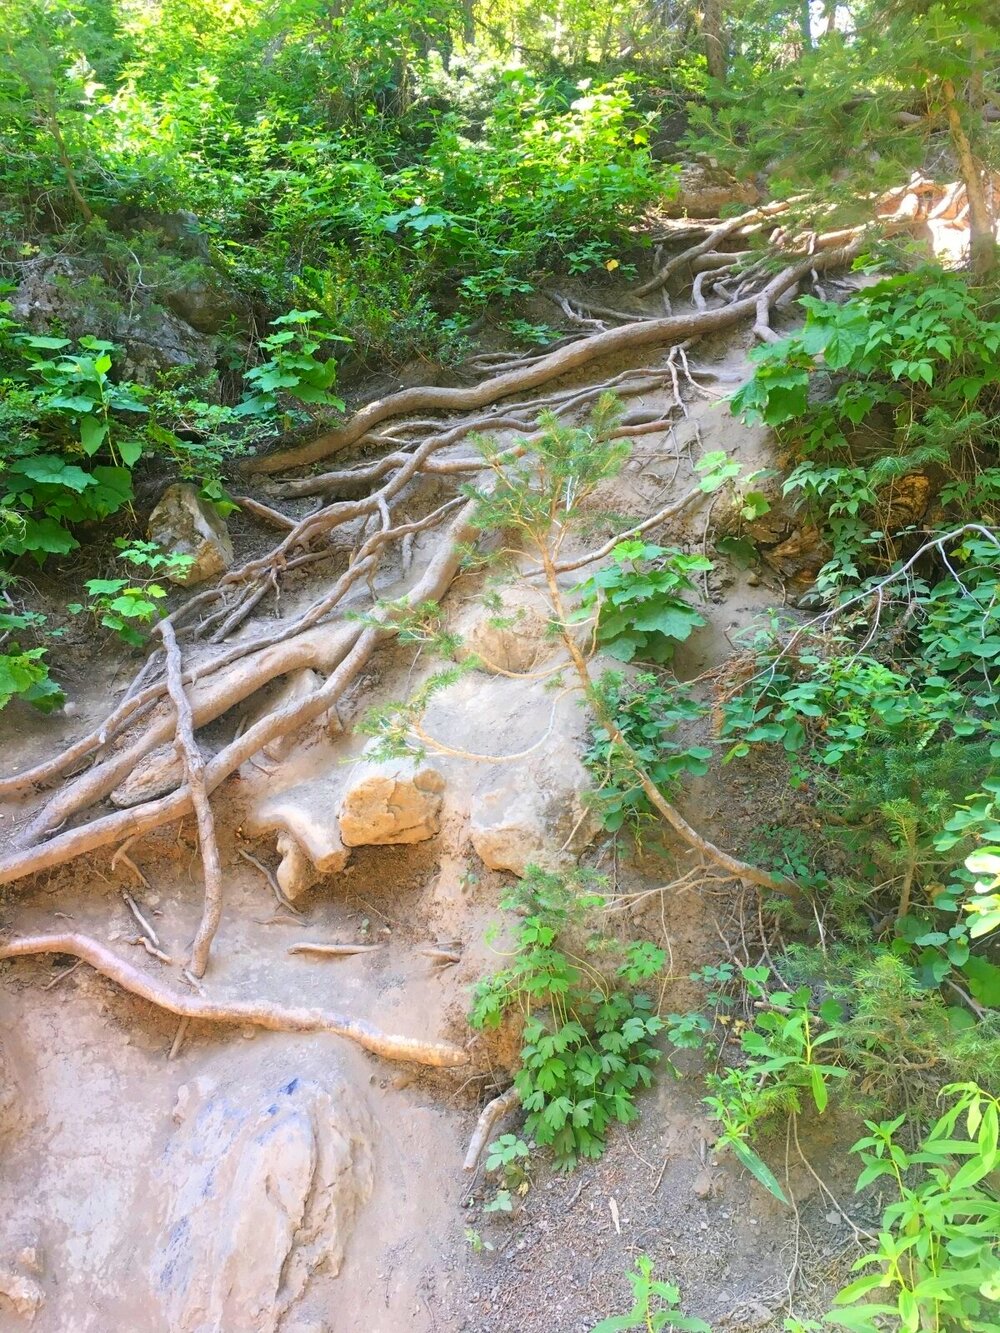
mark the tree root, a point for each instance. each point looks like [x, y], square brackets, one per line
[274, 1017]
[356, 643]
[628, 337]
[194, 769]
[488, 1117]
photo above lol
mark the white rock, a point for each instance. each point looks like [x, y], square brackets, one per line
[533, 816]
[309, 838]
[263, 1186]
[389, 803]
[184, 524]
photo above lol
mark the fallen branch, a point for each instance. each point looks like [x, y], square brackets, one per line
[194, 768]
[333, 950]
[274, 1017]
[488, 1117]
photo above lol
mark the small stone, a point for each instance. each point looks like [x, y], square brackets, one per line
[156, 774]
[30, 1257]
[184, 524]
[24, 1293]
[296, 874]
[753, 580]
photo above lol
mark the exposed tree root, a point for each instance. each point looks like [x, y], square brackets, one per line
[274, 1017]
[356, 644]
[628, 337]
[488, 1117]
[194, 769]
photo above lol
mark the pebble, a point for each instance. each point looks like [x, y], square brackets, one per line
[753, 580]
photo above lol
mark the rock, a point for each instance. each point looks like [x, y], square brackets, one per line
[396, 802]
[705, 188]
[513, 636]
[534, 815]
[263, 1184]
[71, 293]
[801, 557]
[202, 304]
[180, 232]
[185, 524]
[292, 689]
[23, 1292]
[310, 841]
[154, 775]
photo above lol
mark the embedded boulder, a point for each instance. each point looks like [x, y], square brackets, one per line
[390, 803]
[263, 1185]
[705, 188]
[184, 524]
[512, 635]
[534, 816]
[156, 774]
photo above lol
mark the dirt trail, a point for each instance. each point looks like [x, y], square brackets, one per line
[93, 1136]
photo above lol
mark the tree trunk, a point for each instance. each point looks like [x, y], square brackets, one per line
[982, 234]
[711, 31]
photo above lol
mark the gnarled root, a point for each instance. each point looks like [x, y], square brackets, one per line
[362, 642]
[488, 1117]
[275, 1017]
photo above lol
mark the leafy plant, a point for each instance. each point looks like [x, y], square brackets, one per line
[937, 1257]
[646, 713]
[293, 370]
[639, 601]
[656, 1305]
[586, 1044]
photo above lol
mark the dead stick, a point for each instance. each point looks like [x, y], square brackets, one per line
[488, 1117]
[332, 950]
[194, 767]
[274, 1017]
[141, 921]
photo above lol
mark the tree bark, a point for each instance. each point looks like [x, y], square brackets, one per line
[711, 31]
[982, 234]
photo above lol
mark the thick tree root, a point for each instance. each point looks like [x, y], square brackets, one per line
[357, 643]
[628, 337]
[274, 1017]
[488, 1117]
[194, 769]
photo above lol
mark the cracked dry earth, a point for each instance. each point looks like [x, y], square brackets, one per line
[227, 1180]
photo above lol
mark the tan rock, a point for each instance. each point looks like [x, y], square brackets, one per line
[184, 524]
[534, 816]
[389, 803]
[296, 874]
[513, 636]
[705, 189]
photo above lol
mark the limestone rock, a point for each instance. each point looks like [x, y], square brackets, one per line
[397, 802]
[512, 637]
[183, 523]
[306, 819]
[705, 188]
[534, 816]
[293, 689]
[154, 775]
[22, 1291]
[263, 1186]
